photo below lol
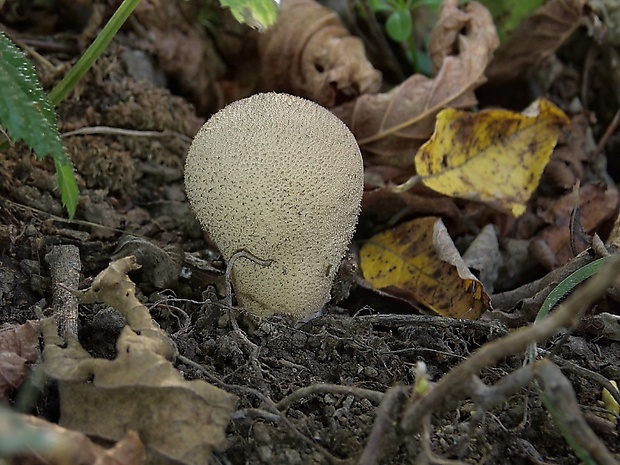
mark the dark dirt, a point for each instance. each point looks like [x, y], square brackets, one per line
[133, 185]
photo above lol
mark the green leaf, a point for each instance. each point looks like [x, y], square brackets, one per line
[399, 25]
[25, 110]
[65, 178]
[508, 14]
[93, 52]
[259, 14]
[379, 5]
[27, 114]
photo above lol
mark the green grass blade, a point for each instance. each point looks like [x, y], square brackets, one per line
[93, 52]
[561, 291]
[65, 178]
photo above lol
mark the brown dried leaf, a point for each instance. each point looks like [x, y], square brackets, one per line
[597, 204]
[182, 50]
[19, 346]
[390, 127]
[537, 38]
[568, 161]
[140, 388]
[383, 206]
[309, 52]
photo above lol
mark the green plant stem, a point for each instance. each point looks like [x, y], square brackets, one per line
[93, 52]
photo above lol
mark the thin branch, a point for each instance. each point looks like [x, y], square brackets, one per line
[457, 381]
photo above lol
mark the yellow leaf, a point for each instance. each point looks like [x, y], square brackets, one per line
[420, 257]
[494, 156]
[611, 404]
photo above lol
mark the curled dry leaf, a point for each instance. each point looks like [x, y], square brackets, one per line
[569, 160]
[140, 389]
[182, 50]
[19, 347]
[390, 127]
[309, 52]
[419, 258]
[597, 203]
[537, 38]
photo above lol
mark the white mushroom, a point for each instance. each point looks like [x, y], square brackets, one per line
[282, 178]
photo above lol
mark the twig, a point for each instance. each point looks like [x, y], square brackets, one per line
[611, 128]
[458, 380]
[383, 424]
[426, 447]
[65, 267]
[540, 288]
[486, 397]
[560, 400]
[588, 374]
[315, 389]
[269, 404]
[108, 130]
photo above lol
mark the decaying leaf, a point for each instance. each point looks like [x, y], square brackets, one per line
[419, 257]
[538, 37]
[484, 258]
[570, 158]
[139, 390]
[35, 441]
[19, 347]
[308, 52]
[384, 206]
[182, 50]
[494, 156]
[390, 127]
[552, 244]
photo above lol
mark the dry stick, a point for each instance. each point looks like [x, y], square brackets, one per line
[507, 300]
[560, 397]
[386, 414]
[65, 267]
[426, 448]
[611, 128]
[269, 404]
[315, 389]
[588, 374]
[486, 397]
[107, 130]
[458, 380]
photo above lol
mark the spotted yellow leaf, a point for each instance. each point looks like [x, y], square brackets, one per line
[420, 258]
[494, 156]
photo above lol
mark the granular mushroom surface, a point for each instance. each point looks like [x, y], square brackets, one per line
[282, 178]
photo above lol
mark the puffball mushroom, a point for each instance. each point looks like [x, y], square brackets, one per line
[282, 178]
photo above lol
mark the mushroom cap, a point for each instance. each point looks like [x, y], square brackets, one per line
[282, 178]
